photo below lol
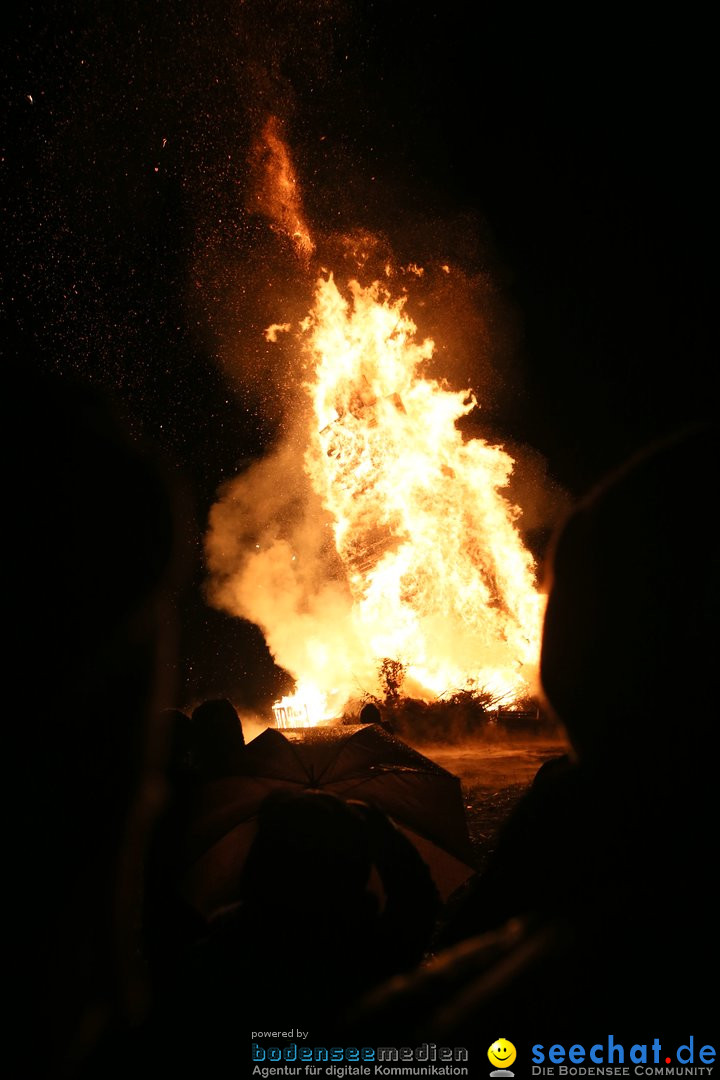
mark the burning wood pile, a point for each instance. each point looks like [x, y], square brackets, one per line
[397, 539]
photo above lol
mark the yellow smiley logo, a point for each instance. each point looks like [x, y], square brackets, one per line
[502, 1053]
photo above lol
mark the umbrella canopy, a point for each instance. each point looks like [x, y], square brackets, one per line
[353, 762]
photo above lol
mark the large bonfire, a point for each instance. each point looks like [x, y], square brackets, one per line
[376, 533]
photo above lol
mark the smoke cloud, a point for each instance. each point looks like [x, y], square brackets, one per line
[271, 556]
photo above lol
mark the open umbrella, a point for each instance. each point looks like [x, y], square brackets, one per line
[354, 762]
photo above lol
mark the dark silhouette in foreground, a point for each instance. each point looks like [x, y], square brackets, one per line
[333, 900]
[598, 910]
[370, 714]
[170, 924]
[95, 551]
[217, 739]
[355, 894]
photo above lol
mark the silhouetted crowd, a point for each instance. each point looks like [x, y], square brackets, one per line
[154, 935]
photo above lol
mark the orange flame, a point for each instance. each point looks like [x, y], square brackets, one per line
[388, 538]
[376, 532]
[277, 193]
[437, 571]
[305, 708]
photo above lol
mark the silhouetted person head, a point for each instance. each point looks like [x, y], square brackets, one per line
[218, 741]
[370, 714]
[627, 649]
[314, 849]
[336, 891]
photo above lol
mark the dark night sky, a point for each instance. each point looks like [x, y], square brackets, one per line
[566, 161]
